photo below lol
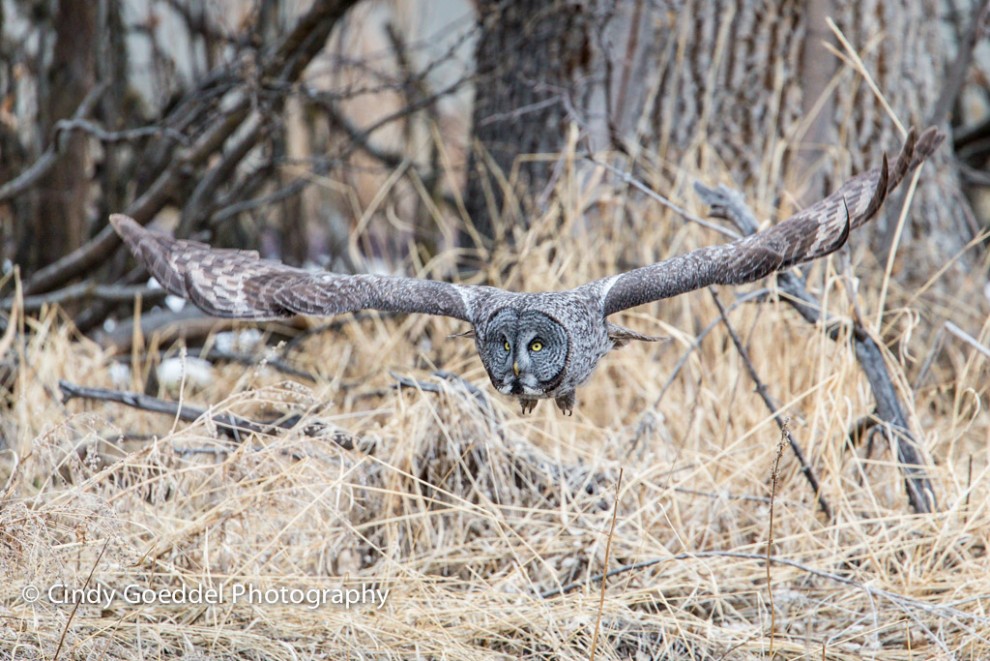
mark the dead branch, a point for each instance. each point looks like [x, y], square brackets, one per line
[283, 63]
[951, 329]
[627, 178]
[101, 134]
[216, 355]
[232, 426]
[749, 297]
[234, 205]
[480, 398]
[194, 210]
[49, 157]
[753, 296]
[88, 290]
[361, 138]
[729, 204]
[142, 209]
[761, 389]
[956, 75]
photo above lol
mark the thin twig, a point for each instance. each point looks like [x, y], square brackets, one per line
[775, 476]
[479, 396]
[232, 209]
[408, 109]
[761, 389]
[249, 360]
[952, 329]
[608, 553]
[652, 194]
[78, 602]
[755, 295]
[749, 297]
[196, 207]
[127, 135]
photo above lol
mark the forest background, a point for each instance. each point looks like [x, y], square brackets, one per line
[757, 485]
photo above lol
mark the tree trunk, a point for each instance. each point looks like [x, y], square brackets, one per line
[60, 225]
[533, 58]
[744, 90]
[754, 87]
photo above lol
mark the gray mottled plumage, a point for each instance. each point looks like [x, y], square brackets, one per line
[534, 346]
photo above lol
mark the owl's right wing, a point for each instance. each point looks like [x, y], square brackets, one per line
[814, 232]
[239, 284]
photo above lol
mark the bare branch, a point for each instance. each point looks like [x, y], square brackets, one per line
[88, 290]
[956, 75]
[194, 209]
[952, 329]
[189, 324]
[101, 134]
[284, 62]
[653, 195]
[142, 209]
[229, 424]
[730, 204]
[232, 208]
[479, 396]
[49, 157]
[764, 394]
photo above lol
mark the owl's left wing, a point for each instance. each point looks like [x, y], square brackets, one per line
[239, 284]
[814, 232]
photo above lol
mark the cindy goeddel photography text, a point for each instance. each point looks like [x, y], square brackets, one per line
[103, 595]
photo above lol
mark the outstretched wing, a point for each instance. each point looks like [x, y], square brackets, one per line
[814, 232]
[239, 284]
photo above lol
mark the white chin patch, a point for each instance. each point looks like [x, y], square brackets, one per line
[531, 391]
[505, 389]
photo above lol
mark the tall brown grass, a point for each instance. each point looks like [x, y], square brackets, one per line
[470, 514]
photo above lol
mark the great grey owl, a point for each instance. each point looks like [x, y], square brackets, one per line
[533, 345]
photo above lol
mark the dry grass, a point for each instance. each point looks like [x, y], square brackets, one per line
[470, 517]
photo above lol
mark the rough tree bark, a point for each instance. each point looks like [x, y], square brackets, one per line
[754, 82]
[750, 87]
[533, 58]
[60, 225]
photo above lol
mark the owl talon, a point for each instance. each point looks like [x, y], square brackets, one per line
[566, 403]
[528, 405]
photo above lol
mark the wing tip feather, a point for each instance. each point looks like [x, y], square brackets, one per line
[127, 228]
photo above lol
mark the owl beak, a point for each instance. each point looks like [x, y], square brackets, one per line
[515, 367]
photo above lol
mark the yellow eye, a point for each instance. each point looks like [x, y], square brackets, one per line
[506, 346]
[535, 345]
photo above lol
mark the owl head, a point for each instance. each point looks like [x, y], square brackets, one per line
[525, 352]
